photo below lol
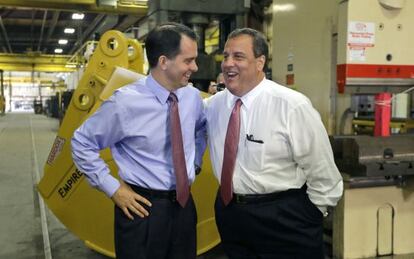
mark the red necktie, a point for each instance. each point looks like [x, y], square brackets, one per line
[230, 151]
[180, 169]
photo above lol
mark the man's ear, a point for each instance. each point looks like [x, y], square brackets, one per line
[260, 62]
[163, 62]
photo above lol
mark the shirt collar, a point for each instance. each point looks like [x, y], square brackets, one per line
[160, 92]
[246, 99]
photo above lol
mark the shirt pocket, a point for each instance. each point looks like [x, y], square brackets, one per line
[254, 155]
[278, 148]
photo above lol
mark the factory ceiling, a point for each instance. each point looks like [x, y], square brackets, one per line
[38, 27]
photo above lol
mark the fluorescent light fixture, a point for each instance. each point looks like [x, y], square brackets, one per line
[70, 65]
[78, 16]
[283, 7]
[63, 41]
[58, 51]
[69, 30]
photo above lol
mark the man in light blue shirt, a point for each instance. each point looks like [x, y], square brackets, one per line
[135, 124]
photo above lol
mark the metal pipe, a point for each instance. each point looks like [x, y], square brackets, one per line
[42, 29]
[10, 92]
[40, 87]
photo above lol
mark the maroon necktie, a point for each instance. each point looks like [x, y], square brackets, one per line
[182, 187]
[230, 152]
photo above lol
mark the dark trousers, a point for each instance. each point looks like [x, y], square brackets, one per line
[288, 226]
[169, 232]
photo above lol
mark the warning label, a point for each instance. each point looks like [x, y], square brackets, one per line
[361, 34]
[357, 54]
[56, 149]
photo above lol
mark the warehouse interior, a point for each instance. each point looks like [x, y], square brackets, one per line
[60, 59]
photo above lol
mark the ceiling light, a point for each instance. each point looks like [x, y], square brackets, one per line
[69, 30]
[78, 16]
[283, 7]
[58, 51]
[63, 41]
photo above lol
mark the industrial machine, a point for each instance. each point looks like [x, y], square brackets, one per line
[230, 14]
[85, 211]
[374, 217]
[349, 61]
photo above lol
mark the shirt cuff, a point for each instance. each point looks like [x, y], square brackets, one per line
[109, 185]
[324, 210]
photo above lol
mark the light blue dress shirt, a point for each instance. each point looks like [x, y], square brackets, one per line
[134, 123]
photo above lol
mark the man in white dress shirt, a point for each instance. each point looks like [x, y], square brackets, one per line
[275, 191]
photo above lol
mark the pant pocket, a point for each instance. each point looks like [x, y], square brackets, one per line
[313, 212]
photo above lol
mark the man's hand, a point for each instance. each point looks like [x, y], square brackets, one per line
[128, 200]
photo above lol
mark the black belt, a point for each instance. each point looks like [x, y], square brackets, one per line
[257, 198]
[159, 194]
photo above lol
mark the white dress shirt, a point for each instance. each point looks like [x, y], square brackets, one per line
[282, 145]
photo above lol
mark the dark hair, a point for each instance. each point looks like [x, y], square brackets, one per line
[165, 40]
[260, 46]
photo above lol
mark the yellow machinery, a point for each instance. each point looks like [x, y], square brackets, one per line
[85, 211]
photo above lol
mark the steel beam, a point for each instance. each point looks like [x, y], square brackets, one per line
[28, 79]
[123, 7]
[42, 63]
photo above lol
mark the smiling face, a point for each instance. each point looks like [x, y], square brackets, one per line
[241, 69]
[177, 71]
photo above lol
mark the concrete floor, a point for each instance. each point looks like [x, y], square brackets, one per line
[26, 139]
